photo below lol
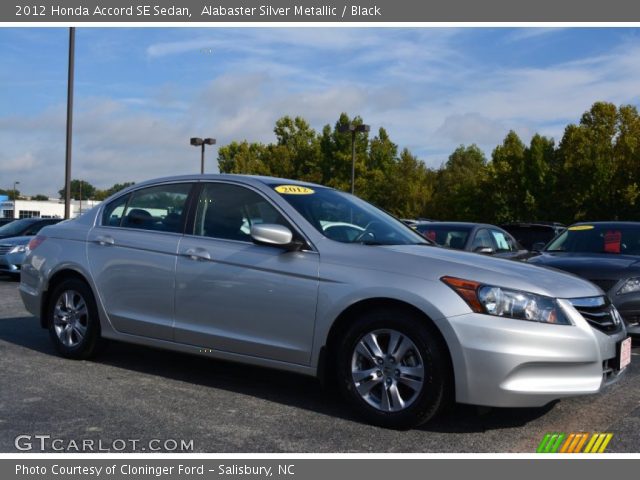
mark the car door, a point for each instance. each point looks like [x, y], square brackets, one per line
[132, 257]
[236, 296]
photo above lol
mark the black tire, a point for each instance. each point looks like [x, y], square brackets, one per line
[426, 401]
[90, 342]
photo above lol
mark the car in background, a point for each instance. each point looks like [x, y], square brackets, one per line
[26, 227]
[607, 254]
[14, 248]
[473, 237]
[4, 221]
[242, 268]
[534, 235]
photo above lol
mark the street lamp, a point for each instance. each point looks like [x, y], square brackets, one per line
[15, 192]
[353, 129]
[197, 142]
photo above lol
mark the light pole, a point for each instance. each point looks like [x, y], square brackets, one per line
[15, 195]
[353, 129]
[201, 142]
[67, 164]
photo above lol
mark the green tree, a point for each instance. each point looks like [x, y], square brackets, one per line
[243, 157]
[460, 187]
[80, 189]
[10, 193]
[104, 194]
[588, 165]
[40, 198]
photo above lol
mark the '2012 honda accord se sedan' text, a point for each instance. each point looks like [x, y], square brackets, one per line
[306, 278]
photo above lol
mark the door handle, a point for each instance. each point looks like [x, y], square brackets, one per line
[197, 254]
[105, 240]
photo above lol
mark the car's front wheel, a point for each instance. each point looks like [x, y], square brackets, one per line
[72, 316]
[393, 369]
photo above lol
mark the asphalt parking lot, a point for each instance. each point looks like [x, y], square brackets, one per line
[131, 392]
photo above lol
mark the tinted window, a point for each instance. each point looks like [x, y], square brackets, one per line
[15, 228]
[345, 218]
[228, 212]
[615, 239]
[445, 235]
[482, 240]
[113, 213]
[160, 208]
[528, 235]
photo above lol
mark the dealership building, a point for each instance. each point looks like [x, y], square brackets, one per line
[51, 208]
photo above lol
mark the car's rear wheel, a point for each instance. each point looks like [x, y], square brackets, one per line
[393, 369]
[72, 316]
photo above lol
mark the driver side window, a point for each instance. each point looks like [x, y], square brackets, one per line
[228, 211]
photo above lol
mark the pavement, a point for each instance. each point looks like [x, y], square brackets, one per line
[133, 398]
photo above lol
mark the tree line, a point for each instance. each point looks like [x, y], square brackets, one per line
[593, 173]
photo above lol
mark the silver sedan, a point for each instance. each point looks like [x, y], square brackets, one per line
[305, 278]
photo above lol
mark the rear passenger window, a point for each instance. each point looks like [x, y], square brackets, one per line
[112, 214]
[160, 208]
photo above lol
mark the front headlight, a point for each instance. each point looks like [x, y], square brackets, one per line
[504, 302]
[630, 285]
[18, 249]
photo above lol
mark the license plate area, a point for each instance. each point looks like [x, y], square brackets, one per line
[623, 353]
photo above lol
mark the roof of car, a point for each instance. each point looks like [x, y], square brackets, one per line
[533, 224]
[250, 179]
[458, 224]
[607, 224]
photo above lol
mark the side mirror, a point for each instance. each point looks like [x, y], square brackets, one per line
[484, 250]
[538, 246]
[272, 234]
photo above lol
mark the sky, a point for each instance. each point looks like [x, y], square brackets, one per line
[141, 93]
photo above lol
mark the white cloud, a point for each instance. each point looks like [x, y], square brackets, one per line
[420, 85]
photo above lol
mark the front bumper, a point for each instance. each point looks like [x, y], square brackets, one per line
[502, 362]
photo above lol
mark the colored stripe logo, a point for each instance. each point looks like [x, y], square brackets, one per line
[579, 442]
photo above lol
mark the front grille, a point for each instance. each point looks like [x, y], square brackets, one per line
[5, 249]
[599, 312]
[603, 283]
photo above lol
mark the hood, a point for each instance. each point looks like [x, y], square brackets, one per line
[432, 263]
[15, 240]
[589, 265]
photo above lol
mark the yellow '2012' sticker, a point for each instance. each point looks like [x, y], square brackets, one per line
[578, 228]
[294, 190]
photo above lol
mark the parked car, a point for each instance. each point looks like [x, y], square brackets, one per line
[607, 254]
[12, 253]
[473, 237]
[13, 249]
[534, 235]
[4, 221]
[26, 226]
[402, 326]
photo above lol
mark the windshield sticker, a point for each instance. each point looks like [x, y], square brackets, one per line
[578, 228]
[612, 241]
[294, 190]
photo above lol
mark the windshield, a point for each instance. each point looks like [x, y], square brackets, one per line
[445, 235]
[347, 219]
[15, 228]
[615, 239]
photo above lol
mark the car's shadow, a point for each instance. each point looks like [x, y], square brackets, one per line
[276, 386]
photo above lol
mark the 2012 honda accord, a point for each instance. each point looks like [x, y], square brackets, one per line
[305, 278]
